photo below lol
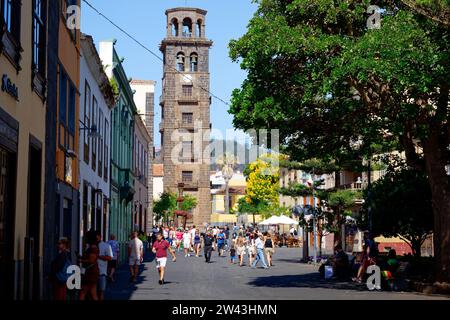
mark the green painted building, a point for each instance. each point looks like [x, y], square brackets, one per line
[122, 139]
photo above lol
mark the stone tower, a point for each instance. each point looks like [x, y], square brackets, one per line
[185, 108]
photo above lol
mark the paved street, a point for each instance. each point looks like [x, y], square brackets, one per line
[193, 279]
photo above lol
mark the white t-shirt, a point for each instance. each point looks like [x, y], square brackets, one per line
[187, 237]
[104, 251]
[136, 246]
[193, 232]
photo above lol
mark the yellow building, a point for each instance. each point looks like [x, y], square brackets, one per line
[22, 146]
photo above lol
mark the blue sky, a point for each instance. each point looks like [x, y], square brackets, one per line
[146, 20]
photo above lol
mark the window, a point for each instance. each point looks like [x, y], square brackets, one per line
[100, 143]
[94, 125]
[85, 208]
[194, 62]
[187, 91]
[67, 111]
[187, 118]
[187, 151]
[187, 28]
[180, 62]
[174, 27]
[199, 28]
[106, 152]
[10, 26]
[187, 176]
[39, 45]
[87, 124]
[62, 108]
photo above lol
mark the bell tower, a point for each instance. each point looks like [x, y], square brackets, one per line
[185, 108]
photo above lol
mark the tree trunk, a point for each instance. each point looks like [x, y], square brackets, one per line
[227, 197]
[305, 243]
[440, 189]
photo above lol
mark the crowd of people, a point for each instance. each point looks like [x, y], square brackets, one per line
[243, 245]
[100, 259]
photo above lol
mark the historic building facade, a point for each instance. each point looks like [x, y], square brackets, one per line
[122, 145]
[144, 98]
[23, 64]
[185, 105]
[97, 101]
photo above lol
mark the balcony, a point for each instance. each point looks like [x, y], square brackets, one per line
[190, 185]
[356, 186]
[126, 181]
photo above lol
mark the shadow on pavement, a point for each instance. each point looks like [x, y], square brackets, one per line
[312, 280]
[123, 289]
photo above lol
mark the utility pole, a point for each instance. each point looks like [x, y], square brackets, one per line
[314, 218]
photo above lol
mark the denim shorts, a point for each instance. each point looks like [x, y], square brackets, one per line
[102, 283]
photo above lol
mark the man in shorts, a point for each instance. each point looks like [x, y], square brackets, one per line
[135, 255]
[160, 248]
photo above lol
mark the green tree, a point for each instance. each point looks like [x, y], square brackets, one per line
[338, 205]
[165, 207]
[401, 207]
[339, 91]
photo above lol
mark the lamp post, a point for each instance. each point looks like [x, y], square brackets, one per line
[313, 182]
[314, 218]
[369, 195]
[227, 173]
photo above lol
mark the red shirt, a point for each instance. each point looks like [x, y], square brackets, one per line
[161, 248]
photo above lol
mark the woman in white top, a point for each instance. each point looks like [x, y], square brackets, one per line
[187, 243]
[251, 249]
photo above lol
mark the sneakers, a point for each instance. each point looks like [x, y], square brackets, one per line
[161, 282]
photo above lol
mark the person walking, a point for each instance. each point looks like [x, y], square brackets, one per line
[269, 248]
[197, 244]
[105, 255]
[221, 238]
[135, 255]
[259, 243]
[160, 248]
[89, 279]
[251, 249]
[240, 249]
[193, 231]
[179, 238]
[208, 241]
[112, 264]
[187, 243]
[171, 237]
[58, 275]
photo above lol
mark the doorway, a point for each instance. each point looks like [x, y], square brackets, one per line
[7, 207]
[32, 279]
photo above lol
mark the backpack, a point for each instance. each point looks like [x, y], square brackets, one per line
[62, 275]
[295, 233]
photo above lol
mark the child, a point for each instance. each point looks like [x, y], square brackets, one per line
[233, 254]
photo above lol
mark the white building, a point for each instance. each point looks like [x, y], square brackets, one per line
[144, 98]
[97, 101]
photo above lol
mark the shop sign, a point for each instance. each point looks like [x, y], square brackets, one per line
[9, 87]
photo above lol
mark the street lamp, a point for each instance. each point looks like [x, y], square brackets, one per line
[227, 174]
[227, 162]
[313, 182]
